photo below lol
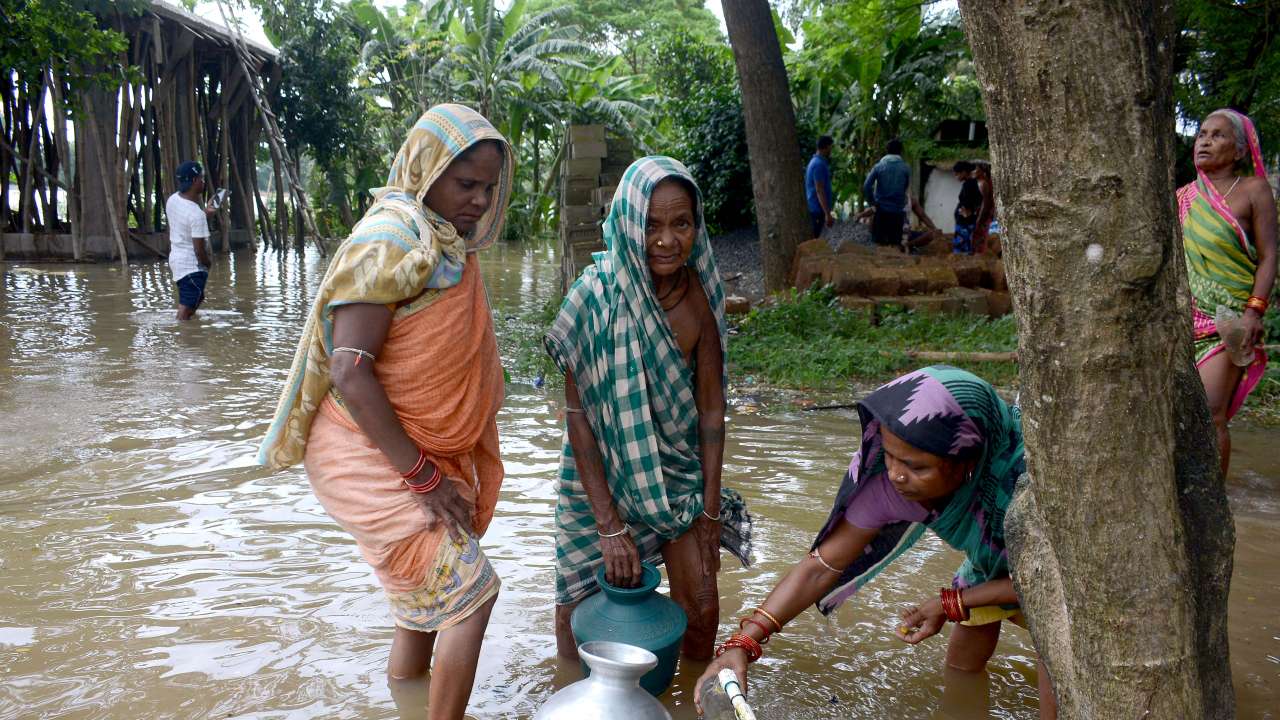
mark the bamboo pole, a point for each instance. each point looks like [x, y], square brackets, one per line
[36, 113]
[64, 150]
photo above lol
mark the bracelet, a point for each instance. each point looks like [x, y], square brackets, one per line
[712, 518]
[953, 605]
[769, 615]
[742, 625]
[432, 483]
[745, 643]
[417, 466]
[1256, 303]
[625, 529]
[360, 354]
[818, 556]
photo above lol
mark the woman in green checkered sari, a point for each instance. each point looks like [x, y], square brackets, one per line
[640, 338]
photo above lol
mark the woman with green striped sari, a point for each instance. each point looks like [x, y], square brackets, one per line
[640, 339]
[1228, 217]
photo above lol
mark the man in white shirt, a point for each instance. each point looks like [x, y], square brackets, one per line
[188, 232]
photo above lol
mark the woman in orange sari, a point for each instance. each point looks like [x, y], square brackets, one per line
[394, 392]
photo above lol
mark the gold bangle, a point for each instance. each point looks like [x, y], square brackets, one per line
[769, 615]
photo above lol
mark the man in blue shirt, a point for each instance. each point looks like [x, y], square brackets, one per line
[886, 188]
[817, 187]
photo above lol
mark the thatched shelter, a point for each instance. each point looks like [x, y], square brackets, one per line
[94, 187]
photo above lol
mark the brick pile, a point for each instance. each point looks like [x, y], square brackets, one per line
[868, 277]
[593, 166]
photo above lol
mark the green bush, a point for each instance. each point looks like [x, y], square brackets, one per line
[809, 340]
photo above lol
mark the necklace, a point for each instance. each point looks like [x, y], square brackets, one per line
[682, 284]
[1233, 187]
[1228, 192]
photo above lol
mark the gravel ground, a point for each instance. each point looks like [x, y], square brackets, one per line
[738, 256]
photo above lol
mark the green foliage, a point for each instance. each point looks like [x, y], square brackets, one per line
[66, 35]
[872, 70]
[1228, 55]
[808, 340]
[627, 29]
[700, 98]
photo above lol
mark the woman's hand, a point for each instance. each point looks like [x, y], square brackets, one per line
[1252, 322]
[922, 621]
[733, 658]
[706, 533]
[621, 561]
[445, 504]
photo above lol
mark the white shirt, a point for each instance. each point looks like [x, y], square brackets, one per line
[186, 221]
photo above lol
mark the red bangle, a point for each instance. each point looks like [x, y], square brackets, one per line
[742, 622]
[745, 643]
[1257, 303]
[417, 466]
[952, 605]
[431, 484]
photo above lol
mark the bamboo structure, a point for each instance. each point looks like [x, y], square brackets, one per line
[93, 172]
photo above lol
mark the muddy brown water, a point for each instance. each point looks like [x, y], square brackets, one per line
[150, 570]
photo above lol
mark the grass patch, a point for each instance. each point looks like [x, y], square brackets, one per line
[520, 345]
[808, 340]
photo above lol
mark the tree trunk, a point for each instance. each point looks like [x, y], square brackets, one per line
[777, 175]
[1120, 535]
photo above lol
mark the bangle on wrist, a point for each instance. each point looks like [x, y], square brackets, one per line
[709, 516]
[625, 529]
[420, 463]
[1257, 303]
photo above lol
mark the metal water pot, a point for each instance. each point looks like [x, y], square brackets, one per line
[612, 691]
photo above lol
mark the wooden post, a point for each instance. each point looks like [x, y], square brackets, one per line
[64, 150]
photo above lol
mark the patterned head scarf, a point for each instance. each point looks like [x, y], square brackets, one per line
[953, 414]
[442, 134]
[1246, 139]
[398, 249]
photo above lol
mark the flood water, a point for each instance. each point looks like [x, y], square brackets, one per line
[150, 570]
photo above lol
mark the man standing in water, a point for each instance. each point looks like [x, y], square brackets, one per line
[188, 232]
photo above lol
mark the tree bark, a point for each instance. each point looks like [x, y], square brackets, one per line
[777, 176]
[1120, 535]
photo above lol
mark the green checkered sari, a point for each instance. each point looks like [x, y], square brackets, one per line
[637, 392]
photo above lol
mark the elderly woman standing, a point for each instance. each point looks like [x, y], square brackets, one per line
[940, 451]
[1228, 220]
[640, 338]
[394, 392]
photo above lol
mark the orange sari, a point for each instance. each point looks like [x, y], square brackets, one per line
[440, 368]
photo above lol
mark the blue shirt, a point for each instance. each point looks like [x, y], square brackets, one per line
[818, 176]
[887, 184]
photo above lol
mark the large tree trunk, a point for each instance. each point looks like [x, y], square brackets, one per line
[1120, 537]
[777, 174]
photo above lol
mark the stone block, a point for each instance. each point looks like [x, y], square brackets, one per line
[994, 277]
[999, 303]
[571, 215]
[968, 269]
[610, 179]
[921, 303]
[736, 305]
[620, 146]
[585, 168]
[863, 279]
[586, 134]
[578, 191]
[854, 302]
[603, 196]
[808, 270]
[587, 150]
[968, 300]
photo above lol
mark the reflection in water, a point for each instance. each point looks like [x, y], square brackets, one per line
[151, 570]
